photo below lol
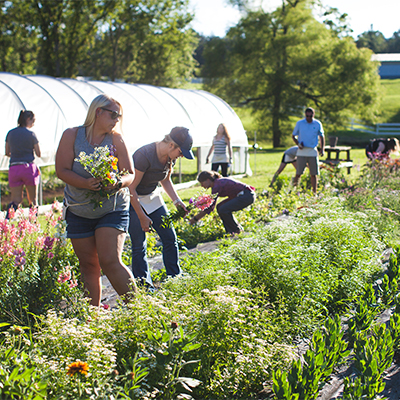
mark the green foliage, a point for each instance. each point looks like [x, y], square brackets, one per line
[304, 380]
[282, 61]
[37, 270]
[19, 378]
[141, 41]
[372, 356]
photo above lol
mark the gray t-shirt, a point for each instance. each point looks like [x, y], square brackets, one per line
[145, 160]
[21, 141]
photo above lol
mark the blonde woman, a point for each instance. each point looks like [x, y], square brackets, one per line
[153, 166]
[97, 234]
[221, 146]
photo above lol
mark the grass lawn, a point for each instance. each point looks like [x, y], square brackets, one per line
[264, 164]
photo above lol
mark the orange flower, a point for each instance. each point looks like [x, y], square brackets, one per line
[78, 366]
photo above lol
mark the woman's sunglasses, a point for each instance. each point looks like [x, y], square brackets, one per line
[114, 114]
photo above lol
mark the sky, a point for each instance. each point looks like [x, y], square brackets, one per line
[214, 17]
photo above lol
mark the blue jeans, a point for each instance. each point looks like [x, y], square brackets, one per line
[140, 266]
[226, 208]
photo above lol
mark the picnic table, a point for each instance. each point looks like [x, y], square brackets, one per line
[333, 157]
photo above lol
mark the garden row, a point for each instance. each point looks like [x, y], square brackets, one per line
[229, 326]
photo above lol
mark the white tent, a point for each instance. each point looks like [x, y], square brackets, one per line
[149, 113]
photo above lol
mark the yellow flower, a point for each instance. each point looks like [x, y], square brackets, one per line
[78, 366]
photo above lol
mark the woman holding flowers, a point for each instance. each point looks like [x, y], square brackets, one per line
[96, 196]
[153, 165]
[238, 195]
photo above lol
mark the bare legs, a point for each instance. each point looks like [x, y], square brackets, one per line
[314, 182]
[103, 252]
[280, 169]
[31, 193]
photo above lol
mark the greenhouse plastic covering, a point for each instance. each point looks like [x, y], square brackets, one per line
[149, 112]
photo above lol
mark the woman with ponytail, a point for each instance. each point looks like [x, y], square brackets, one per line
[153, 166]
[238, 195]
[21, 146]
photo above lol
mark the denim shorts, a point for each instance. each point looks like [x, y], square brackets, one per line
[23, 174]
[79, 227]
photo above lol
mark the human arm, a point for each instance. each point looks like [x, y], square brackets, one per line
[8, 150]
[145, 221]
[381, 148]
[124, 164]
[197, 217]
[229, 144]
[322, 145]
[209, 153]
[171, 192]
[36, 148]
[65, 159]
[295, 135]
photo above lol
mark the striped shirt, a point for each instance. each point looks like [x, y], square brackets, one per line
[220, 146]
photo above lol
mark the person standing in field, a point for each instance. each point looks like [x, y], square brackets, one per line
[21, 146]
[221, 146]
[306, 134]
[97, 233]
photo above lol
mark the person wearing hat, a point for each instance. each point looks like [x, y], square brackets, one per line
[153, 165]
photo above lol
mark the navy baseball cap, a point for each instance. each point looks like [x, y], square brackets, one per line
[184, 140]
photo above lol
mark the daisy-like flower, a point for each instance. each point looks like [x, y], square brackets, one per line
[103, 165]
[78, 366]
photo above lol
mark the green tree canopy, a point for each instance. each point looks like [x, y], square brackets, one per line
[373, 40]
[145, 41]
[280, 62]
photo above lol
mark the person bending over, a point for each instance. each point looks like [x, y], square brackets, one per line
[153, 165]
[289, 157]
[239, 196]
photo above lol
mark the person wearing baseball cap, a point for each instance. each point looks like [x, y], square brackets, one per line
[153, 166]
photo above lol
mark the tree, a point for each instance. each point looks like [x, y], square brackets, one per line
[280, 62]
[18, 42]
[393, 43]
[145, 41]
[373, 40]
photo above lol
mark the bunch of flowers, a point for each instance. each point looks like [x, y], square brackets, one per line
[201, 202]
[101, 164]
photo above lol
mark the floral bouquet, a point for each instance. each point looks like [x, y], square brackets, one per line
[201, 202]
[103, 165]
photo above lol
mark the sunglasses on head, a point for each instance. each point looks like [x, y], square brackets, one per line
[114, 114]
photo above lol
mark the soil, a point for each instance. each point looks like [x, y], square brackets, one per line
[48, 197]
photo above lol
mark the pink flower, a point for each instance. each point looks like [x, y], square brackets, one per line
[203, 202]
[64, 276]
[105, 306]
[56, 206]
[50, 255]
[73, 283]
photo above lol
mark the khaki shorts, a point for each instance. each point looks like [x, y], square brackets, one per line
[312, 165]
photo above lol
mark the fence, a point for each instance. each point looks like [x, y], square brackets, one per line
[378, 129]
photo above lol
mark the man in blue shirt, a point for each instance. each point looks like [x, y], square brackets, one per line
[306, 134]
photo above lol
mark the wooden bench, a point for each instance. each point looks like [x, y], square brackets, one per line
[337, 161]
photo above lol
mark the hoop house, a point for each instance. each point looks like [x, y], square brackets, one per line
[150, 112]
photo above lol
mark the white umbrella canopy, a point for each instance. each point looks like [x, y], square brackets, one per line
[149, 112]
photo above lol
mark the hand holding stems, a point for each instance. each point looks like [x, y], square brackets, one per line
[178, 203]
[145, 223]
[197, 217]
[93, 184]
